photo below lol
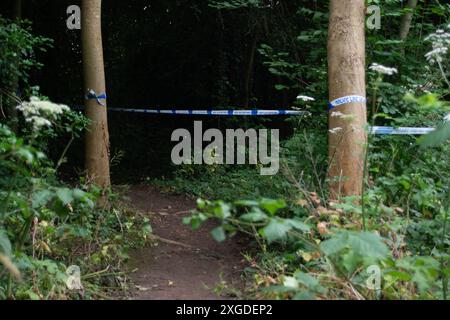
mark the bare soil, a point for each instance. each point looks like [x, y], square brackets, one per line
[194, 266]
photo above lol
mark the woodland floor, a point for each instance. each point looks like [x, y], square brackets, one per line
[190, 269]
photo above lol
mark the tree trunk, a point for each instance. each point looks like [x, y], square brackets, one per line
[346, 72]
[405, 25]
[97, 136]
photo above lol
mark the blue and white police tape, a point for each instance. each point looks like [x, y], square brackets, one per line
[373, 130]
[400, 131]
[215, 112]
[347, 99]
[91, 95]
[209, 112]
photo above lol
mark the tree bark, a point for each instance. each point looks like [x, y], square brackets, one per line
[97, 136]
[405, 25]
[346, 72]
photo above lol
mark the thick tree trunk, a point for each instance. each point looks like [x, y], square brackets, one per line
[405, 25]
[97, 136]
[346, 71]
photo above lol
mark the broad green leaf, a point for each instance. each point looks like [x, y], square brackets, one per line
[255, 215]
[41, 198]
[298, 225]
[222, 210]
[277, 229]
[78, 194]
[218, 234]
[272, 206]
[365, 244]
[65, 195]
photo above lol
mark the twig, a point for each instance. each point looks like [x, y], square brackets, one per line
[158, 238]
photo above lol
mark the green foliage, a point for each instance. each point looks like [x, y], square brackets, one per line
[18, 48]
[311, 247]
[46, 226]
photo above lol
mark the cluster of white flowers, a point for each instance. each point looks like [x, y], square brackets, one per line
[382, 69]
[305, 98]
[440, 41]
[39, 112]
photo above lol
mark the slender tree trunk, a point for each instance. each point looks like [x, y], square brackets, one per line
[405, 25]
[346, 72]
[97, 136]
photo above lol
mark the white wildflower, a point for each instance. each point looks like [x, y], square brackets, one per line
[305, 98]
[440, 41]
[335, 130]
[38, 122]
[436, 55]
[39, 112]
[382, 69]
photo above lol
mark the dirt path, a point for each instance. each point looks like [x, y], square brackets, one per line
[169, 271]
